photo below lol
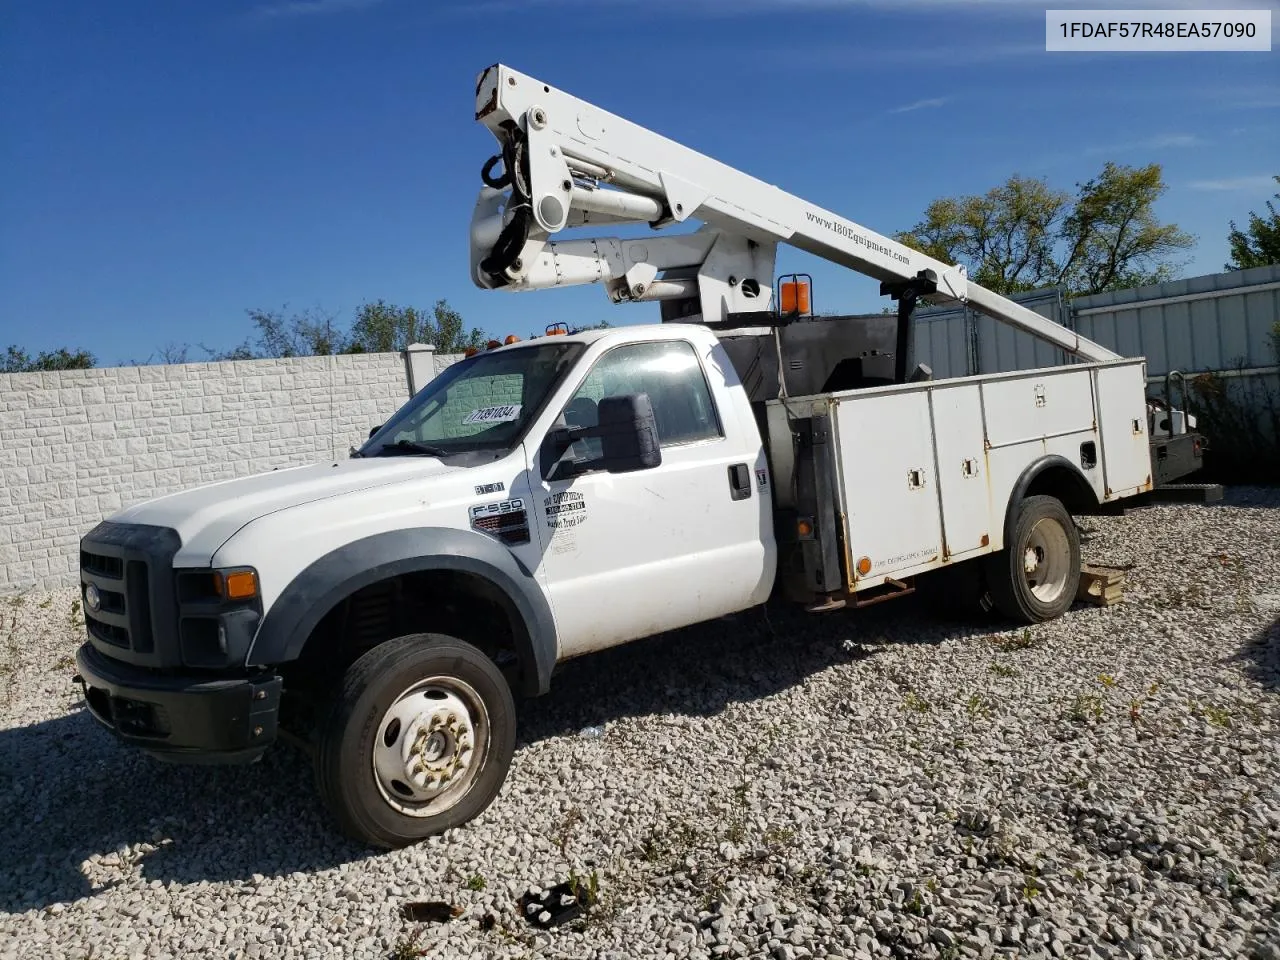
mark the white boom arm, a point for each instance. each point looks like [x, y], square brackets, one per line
[557, 153]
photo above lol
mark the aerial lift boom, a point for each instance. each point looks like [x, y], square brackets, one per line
[566, 163]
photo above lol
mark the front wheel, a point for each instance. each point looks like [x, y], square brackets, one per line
[418, 739]
[1036, 576]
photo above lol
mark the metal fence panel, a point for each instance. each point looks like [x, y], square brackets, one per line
[957, 341]
[1216, 322]
[1219, 321]
[943, 342]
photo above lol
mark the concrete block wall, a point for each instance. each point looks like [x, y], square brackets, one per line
[77, 445]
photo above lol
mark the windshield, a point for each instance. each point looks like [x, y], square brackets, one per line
[483, 403]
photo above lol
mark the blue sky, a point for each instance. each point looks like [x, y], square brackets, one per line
[167, 165]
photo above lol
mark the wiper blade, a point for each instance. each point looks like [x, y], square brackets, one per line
[409, 447]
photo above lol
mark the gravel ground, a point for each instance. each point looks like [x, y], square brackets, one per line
[862, 784]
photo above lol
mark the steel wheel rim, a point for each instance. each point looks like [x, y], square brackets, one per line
[1046, 560]
[430, 746]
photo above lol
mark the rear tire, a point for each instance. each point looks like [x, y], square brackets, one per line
[417, 739]
[1036, 576]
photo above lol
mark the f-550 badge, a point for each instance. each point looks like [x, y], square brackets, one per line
[496, 509]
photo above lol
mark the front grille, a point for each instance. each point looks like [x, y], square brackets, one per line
[108, 632]
[139, 586]
[110, 567]
[112, 601]
[130, 566]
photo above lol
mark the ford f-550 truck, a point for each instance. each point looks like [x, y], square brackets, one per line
[546, 498]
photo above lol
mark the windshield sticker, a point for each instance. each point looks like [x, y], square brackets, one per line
[502, 413]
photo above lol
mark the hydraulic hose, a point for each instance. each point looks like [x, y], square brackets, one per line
[506, 251]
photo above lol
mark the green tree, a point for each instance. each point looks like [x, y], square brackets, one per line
[1260, 245]
[310, 333]
[381, 327]
[16, 360]
[1024, 235]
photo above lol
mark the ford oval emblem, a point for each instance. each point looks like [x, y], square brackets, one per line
[92, 598]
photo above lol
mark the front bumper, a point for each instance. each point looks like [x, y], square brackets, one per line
[188, 717]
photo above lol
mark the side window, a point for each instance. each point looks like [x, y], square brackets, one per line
[669, 372]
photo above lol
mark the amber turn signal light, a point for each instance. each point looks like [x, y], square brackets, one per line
[236, 584]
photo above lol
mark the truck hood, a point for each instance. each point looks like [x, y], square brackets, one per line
[207, 516]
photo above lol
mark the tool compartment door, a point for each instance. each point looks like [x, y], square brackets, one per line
[1126, 445]
[888, 484]
[963, 474]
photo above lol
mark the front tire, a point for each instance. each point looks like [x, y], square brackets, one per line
[1036, 576]
[417, 740]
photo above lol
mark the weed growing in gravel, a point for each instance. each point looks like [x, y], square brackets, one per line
[1216, 716]
[673, 844]
[736, 817]
[912, 701]
[586, 891]
[1017, 641]
[915, 905]
[1107, 680]
[1031, 886]
[1004, 670]
[46, 603]
[1135, 710]
[1086, 705]
[406, 946]
[978, 707]
[476, 883]
[565, 830]
[778, 836]
[76, 620]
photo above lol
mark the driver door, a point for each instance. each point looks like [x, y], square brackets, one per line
[628, 555]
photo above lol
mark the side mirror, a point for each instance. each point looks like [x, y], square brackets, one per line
[628, 433]
[373, 431]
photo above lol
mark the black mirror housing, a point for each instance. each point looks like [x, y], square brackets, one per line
[374, 430]
[628, 433]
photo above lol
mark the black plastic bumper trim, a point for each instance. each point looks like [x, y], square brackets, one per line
[181, 716]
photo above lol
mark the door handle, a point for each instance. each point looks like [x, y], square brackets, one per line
[739, 481]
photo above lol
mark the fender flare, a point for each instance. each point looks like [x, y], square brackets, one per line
[1053, 461]
[330, 579]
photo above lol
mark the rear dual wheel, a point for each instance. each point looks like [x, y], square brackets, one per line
[418, 739]
[1036, 576]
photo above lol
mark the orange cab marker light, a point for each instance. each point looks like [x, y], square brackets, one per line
[494, 343]
[241, 585]
[471, 352]
[864, 566]
[511, 338]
